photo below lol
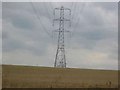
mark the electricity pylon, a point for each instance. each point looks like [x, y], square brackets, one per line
[60, 59]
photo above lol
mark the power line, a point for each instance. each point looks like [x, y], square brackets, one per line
[46, 7]
[35, 11]
[74, 8]
[51, 5]
[78, 20]
[79, 8]
[80, 13]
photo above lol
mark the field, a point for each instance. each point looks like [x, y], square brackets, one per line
[46, 77]
[0, 77]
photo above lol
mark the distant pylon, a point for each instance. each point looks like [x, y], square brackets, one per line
[60, 59]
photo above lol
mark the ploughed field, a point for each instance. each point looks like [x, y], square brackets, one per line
[14, 76]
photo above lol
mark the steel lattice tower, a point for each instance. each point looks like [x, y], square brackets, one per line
[60, 59]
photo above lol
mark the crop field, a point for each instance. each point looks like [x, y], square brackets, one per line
[14, 76]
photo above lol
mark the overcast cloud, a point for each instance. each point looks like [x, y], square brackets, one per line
[28, 40]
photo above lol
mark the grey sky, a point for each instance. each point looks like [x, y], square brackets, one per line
[94, 30]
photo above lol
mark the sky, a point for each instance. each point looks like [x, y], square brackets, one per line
[28, 37]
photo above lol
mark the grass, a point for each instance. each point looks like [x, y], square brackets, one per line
[46, 77]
